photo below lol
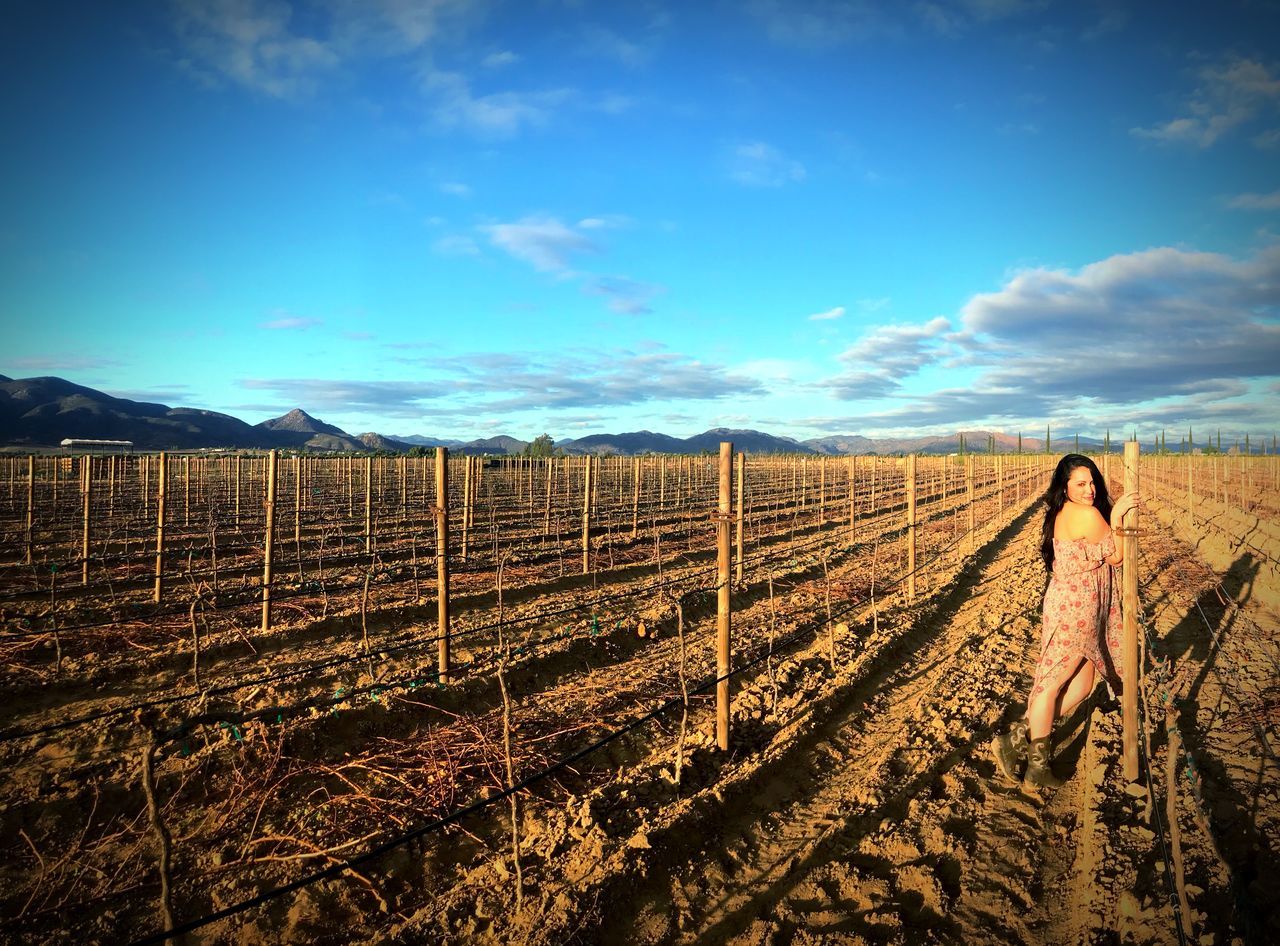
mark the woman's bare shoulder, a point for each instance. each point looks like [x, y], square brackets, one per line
[1080, 522]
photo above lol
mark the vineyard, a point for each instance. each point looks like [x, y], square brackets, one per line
[662, 699]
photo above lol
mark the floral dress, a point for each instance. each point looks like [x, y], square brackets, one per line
[1081, 617]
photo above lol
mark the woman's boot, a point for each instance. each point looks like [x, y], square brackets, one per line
[1010, 750]
[1039, 774]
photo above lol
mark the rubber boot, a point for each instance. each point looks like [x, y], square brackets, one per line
[1039, 775]
[1010, 750]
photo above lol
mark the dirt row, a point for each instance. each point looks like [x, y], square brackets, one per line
[857, 801]
[255, 803]
[874, 814]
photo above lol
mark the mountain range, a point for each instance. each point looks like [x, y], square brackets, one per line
[41, 412]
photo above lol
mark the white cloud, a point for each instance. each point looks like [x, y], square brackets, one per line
[757, 164]
[455, 189]
[818, 24]
[251, 43]
[1163, 333]
[828, 315]
[543, 242]
[898, 350]
[285, 322]
[499, 114]
[60, 363]
[606, 222]
[600, 41]
[626, 296]
[499, 59]
[1255, 201]
[1227, 97]
[456, 245]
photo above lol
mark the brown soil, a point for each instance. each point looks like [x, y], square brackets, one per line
[858, 802]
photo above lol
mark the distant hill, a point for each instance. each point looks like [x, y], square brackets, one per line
[631, 444]
[300, 431]
[44, 411]
[374, 441]
[491, 446]
[744, 441]
[41, 412]
[417, 440]
[299, 421]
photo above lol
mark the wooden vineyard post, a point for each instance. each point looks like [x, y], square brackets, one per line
[368, 503]
[162, 478]
[86, 477]
[546, 512]
[31, 501]
[297, 509]
[442, 560]
[466, 505]
[1191, 494]
[595, 482]
[910, 471]
[822, 492]
[237, 491]
[968, 485]
[635, 500]
[586, 516]
[350, 498]
[740, 518]
[269, 540]
[1129, 643]
[725, 513]
[853, 509]
[186, 492]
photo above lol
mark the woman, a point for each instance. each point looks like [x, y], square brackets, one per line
[1080, 633]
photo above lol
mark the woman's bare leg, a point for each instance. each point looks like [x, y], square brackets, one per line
[1040, 711]
[1077, 690]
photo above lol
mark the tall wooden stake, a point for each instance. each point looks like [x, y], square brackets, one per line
[725, 512]
[269, 540]
[1129, 644]
[31, 501]
[368, 503]
[635, 501]
[466, 505]
[160, 497]
[911, 526]
[968, 481]
[740, 519]
[87, 478]
[853, 506]
[586, 516]
[442, 560]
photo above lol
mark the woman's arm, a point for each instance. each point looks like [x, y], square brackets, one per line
[1123, 505]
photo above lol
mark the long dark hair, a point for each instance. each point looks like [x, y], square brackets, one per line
[1055, 497]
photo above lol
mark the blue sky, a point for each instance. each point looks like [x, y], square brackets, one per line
[462, 218]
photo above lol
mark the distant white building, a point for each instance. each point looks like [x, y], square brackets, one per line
[75, 445]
